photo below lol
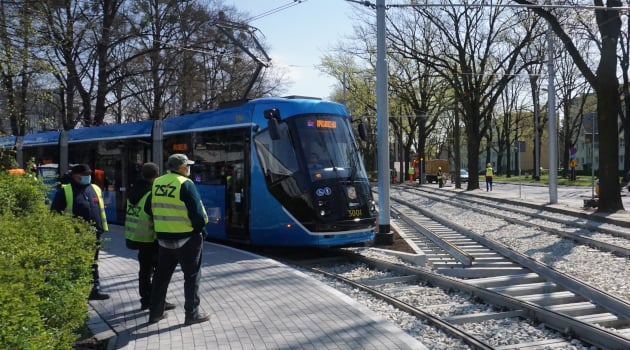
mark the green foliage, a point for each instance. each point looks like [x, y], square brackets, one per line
[21, 195]
[45, 269]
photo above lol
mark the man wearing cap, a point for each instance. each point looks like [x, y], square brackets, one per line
[179, 220]
[83, 199]
[139, 232]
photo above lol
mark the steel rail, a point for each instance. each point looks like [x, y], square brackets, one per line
[592, 334]
[457, 253]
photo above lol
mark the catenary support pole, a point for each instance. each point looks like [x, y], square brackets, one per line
[553, 135]
[383, 235]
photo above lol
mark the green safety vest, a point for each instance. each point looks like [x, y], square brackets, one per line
[489, 171]
[67, 189]
[170, 214]
[138, 224]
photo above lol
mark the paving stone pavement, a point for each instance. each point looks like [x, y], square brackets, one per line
[254, 303]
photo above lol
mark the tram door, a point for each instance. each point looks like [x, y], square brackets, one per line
[237, 186]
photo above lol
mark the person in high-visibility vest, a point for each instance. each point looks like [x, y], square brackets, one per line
[489, 174]
[411, 171]
[179, 220]
[139, 232]
[83, 199]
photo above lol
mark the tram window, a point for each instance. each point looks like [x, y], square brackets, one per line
[215, 153]
[277, 157]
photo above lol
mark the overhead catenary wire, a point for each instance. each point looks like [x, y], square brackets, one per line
[275, 10]
[426, 3]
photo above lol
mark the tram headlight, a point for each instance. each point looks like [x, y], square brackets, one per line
[322, 213]
[373, 206]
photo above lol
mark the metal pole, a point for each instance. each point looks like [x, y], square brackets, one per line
[518, 155]
[592, 155]
[536, 137]
[553, 137]
[383, 234]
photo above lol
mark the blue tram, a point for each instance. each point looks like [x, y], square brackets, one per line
[271, 171]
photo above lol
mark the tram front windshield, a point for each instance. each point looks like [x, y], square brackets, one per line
[313, 168]
[327, 147]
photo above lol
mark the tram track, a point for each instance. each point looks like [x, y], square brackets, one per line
[497, 268]
[516, 285]
[605, 237]
[403, 287]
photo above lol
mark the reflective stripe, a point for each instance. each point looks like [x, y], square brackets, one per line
[171, 206]
[170, 218]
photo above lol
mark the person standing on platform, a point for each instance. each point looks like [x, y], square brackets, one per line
[440, 177]
[489, 174]
[85, 200]
[179, 220]
[139, 232]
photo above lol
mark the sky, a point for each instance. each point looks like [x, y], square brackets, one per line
[298, 37]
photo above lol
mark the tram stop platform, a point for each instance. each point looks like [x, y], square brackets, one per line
[253, 303]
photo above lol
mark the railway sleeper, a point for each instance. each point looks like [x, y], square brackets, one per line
[477, 272]
[605, 319]
[497, 281]
[555, 298]
[543, 344]
[484, 316]
[576, 309]
[530, 288]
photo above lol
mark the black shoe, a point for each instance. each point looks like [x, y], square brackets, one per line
[144, 306]
[196, 319]
[155, 319]
[96, 294]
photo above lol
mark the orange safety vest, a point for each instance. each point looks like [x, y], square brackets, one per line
[17, 172]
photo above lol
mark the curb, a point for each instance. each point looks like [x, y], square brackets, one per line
[101, 331]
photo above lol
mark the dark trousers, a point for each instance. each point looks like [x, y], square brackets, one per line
[95, 277]
[148, 261]
[189, 258]
[488, 183]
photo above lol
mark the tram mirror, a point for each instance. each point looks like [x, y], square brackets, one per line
[273, 115]
[362, 131]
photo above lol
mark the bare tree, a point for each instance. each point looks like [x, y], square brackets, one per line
[17, 35]
[477, 53]
[606, 85]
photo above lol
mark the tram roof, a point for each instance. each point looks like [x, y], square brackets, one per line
[47, 138]
[7, 141]
[208, 120]
[112, 132]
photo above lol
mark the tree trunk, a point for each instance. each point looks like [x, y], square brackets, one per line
[608, 111]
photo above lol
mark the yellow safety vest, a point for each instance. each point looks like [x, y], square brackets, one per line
[489, 171]
[138, 224]
[67, 189]
[170, 214]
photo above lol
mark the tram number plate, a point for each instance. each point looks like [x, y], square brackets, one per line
[354, 213]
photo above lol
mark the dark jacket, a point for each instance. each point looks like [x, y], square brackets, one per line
[139, 189]
[85, 204]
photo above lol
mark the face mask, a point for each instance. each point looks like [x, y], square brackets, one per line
[188, 171]
[85, 180]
